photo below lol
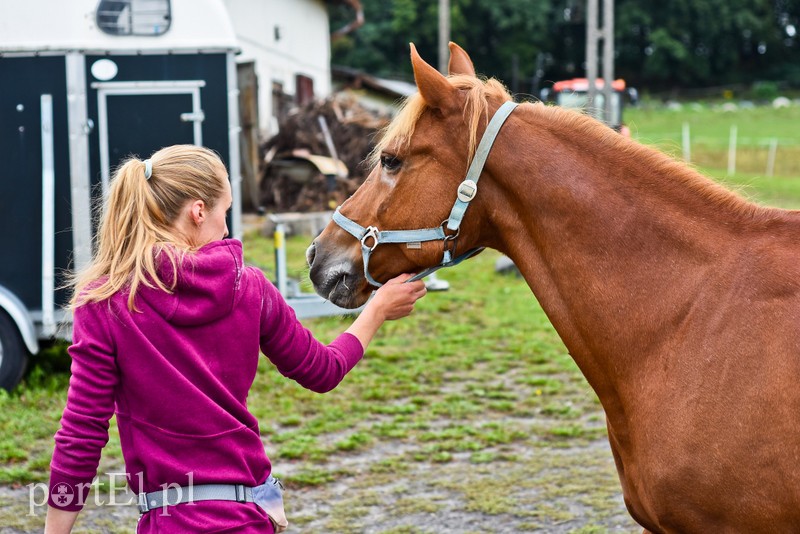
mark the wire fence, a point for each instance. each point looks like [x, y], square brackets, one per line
[734, 152]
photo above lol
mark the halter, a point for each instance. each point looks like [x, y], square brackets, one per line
[371, 237]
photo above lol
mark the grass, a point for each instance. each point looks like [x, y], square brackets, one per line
[710, 131]
[474, 376]
[468, 414]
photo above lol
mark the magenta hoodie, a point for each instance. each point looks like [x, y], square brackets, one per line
[177, 375]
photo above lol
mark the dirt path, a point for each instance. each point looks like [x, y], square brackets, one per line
[554, 489]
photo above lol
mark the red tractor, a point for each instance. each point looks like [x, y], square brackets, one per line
[574, 94]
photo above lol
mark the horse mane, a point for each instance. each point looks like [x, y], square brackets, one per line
[579, 127]
[576, 127]
[478, 92]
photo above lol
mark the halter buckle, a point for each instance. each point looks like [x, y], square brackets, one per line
[467, 190]
[370, 233]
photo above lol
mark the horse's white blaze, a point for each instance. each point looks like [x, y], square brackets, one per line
[388, 181]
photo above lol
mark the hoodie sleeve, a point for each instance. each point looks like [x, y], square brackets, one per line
[295, 351]
[90, 405]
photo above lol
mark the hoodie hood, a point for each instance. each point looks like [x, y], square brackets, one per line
[207, 287]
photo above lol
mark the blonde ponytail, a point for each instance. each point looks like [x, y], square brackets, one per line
[137, 221]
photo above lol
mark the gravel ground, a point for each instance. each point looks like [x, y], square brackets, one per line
[558, 489]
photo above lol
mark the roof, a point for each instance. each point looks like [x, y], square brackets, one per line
[61, 25]
[359, 79]
[582, 84]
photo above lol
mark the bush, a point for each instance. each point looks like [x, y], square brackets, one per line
[765, 91]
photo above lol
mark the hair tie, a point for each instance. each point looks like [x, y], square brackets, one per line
[148, 169]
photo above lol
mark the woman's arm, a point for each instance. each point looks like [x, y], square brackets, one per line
[84, 423]
[299, 356]
[394, 300]
[59, 521]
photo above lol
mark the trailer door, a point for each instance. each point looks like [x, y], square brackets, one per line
[138, 118]
[34, 179]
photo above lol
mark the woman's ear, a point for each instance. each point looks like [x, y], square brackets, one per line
[197, 212]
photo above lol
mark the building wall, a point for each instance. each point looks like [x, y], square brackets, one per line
[284, 38]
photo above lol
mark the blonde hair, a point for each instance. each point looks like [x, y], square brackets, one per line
[137, 221]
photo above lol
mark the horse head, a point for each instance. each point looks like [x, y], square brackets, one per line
[418, 166]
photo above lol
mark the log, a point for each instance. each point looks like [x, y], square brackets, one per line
[287, 184]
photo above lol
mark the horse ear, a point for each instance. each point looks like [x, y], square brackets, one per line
[460, 62]
[436, 91]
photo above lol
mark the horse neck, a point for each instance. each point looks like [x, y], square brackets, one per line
[613, 238]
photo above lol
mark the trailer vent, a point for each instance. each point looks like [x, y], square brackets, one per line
[133, 17]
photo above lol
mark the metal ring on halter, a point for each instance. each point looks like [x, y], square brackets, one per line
[449, 244]
[370, 232]
[450, 237]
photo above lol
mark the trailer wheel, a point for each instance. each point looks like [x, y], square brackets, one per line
[13, 354]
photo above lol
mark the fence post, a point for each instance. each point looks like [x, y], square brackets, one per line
[773, 150]
[687, 146]
[732, 151]
[280, 258]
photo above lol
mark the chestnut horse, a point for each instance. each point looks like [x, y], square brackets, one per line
[678, 299]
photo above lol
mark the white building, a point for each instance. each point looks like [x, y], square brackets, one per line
[289, 43]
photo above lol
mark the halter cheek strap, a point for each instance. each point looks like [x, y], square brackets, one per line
[371, 237]
[469, 187]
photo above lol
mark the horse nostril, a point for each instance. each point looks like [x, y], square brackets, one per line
[311, 252]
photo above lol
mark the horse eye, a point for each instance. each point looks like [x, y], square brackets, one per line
[390, 163]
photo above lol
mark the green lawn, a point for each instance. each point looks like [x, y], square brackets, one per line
[470, 410]
[709, 128]
[713, 123]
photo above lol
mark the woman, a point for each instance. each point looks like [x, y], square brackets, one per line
[168, 325]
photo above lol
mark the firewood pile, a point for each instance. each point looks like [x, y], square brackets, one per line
[292, 177]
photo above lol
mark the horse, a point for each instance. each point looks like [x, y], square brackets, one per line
[678, 299]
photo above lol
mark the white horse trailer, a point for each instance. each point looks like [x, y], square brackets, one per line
[83, 84]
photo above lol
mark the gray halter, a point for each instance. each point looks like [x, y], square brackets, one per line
[371, 237]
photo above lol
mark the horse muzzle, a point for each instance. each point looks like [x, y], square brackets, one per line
[337, 277]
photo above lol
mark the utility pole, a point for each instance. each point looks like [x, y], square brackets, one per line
[444, 35]
[594, 33]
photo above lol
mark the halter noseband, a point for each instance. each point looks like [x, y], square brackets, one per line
[371, 237]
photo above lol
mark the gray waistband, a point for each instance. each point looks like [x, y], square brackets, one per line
[186, 494]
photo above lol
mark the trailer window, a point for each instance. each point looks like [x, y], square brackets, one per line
[133, 17]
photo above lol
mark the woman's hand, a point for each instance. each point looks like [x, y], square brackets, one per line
[394, 300]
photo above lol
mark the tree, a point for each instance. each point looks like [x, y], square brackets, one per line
[660, 45]
[497, 35]
[685, 43]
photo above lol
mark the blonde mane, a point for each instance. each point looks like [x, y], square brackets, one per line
[478, 92]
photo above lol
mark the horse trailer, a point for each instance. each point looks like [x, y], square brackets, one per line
[84, 84]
